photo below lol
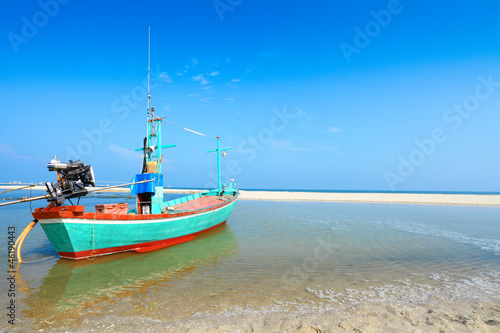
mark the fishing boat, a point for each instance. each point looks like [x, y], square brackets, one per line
[79, 232]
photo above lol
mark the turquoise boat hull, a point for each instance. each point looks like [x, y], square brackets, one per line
[76, 234]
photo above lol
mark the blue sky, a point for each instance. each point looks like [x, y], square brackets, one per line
[373, 95]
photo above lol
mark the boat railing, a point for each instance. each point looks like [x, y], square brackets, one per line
[182, 200]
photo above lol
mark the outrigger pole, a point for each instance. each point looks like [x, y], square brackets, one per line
[19, 242]
[88, 190]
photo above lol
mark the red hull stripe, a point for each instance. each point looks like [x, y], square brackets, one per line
[141, 247]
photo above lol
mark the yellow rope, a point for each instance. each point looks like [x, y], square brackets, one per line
[22, 285]
[30, 226]
[13, 250]
[20, 240]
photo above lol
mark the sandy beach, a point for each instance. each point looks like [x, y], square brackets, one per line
[373, 317]
[410, 198]
[406, 198]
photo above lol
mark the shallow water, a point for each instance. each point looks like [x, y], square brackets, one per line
[310, 256]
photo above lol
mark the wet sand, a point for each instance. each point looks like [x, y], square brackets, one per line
[377, 314]
[167, 304]
[439, 317]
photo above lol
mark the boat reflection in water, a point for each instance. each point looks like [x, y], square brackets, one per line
[79, 283]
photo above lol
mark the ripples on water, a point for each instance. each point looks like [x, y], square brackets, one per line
[305, 254]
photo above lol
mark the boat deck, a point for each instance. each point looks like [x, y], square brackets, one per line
[199, 203]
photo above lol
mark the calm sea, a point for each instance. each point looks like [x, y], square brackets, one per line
[310, 256]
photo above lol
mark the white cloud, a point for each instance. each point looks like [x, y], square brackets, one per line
[135, 156]
[302, 114]
[165, 77]
[205, 99]
[332, 129]
[125, 153]
[316, 147]
[287, 145]
[235, 80]
[9, 151]
[201, 78]
[193, 63]
[215, 73]
[229, 99]
[167, 164]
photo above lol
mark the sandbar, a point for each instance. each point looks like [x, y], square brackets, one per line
[407, 198]
[371, 197]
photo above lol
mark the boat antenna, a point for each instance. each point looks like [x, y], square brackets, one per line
[149, 68]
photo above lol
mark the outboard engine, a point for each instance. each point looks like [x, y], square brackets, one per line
[72, 177]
